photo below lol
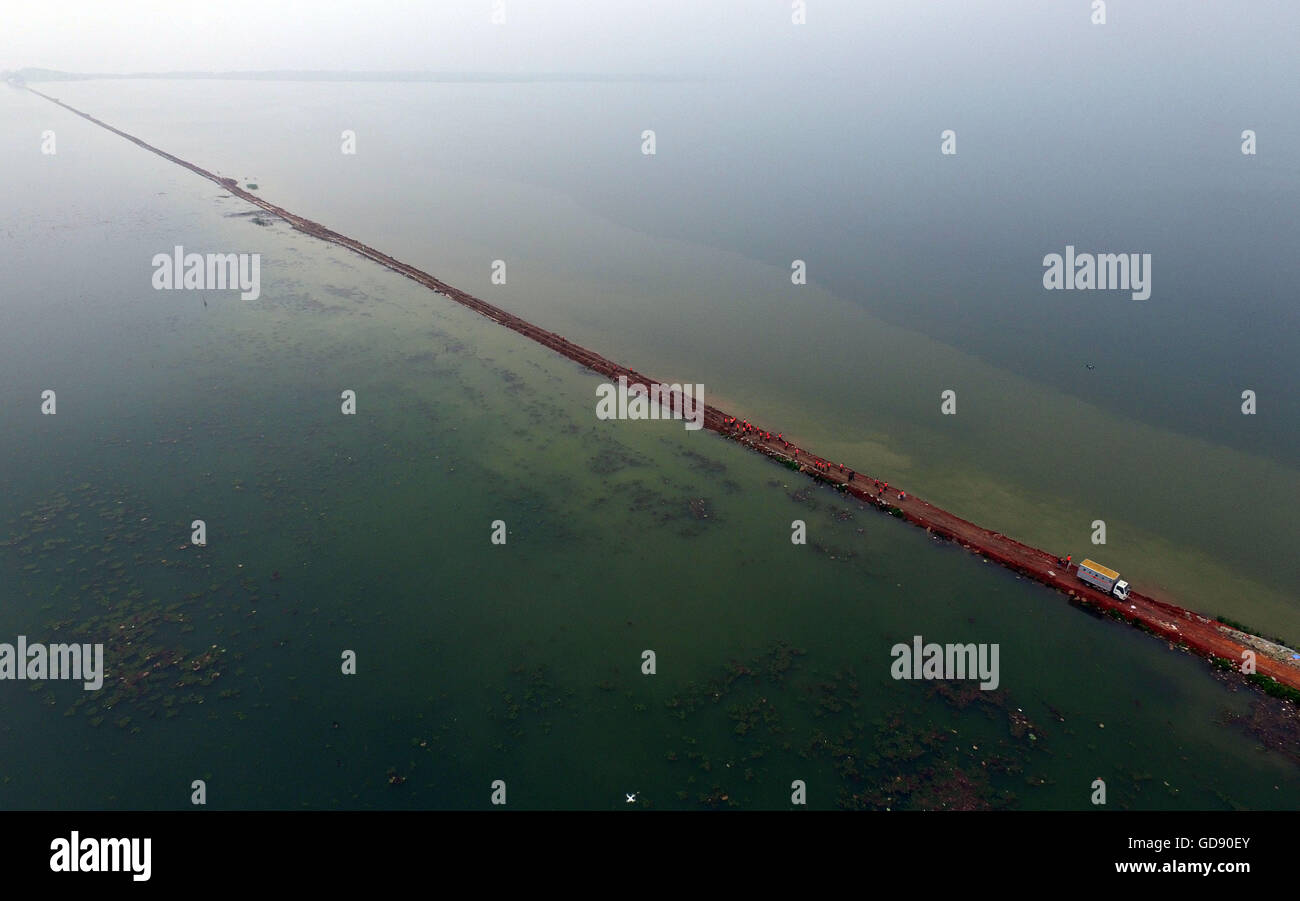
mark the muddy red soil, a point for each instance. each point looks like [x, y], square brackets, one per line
[1179, 626]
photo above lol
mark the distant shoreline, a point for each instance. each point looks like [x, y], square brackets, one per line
[35, 75]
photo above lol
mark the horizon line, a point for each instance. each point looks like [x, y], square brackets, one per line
[38, 74]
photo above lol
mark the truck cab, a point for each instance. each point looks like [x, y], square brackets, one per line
[1121, 590]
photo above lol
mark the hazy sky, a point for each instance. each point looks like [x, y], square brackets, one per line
[159, 35]
[868, 40]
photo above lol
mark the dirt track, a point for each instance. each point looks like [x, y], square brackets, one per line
[1175, 624]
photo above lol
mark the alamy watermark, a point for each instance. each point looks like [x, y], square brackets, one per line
[103, 855]
[77, 662]
[208, 272]
[947, 662]
[1098, 272]
[658, 401]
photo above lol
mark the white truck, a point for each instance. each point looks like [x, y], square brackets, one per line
[1103, 577]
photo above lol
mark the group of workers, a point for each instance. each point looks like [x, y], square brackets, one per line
[749, 430]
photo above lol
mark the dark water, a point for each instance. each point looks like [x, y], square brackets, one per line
[523, 662]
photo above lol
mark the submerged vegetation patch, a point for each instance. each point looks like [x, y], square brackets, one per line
[96, 546]
[1274, 722]
[737, 738]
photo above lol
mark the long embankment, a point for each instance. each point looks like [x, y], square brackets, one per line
[1179, 626]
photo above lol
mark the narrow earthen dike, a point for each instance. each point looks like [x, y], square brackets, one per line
[1177, 625]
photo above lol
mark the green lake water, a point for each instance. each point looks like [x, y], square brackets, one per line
[522, 662]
